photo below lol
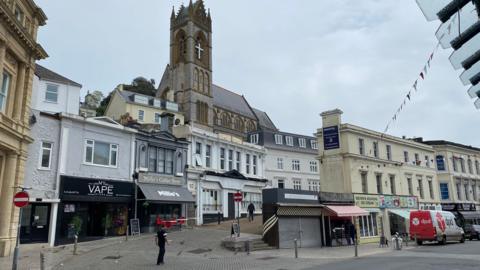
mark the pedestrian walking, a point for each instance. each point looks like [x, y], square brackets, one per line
[251, 210]
[160, 240]
[352, 232]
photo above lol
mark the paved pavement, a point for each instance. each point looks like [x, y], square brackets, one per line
[199, 248]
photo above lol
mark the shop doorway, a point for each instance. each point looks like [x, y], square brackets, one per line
[35, 223]
[231, 206]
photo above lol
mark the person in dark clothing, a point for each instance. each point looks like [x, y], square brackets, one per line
[353, 233]
[251, 210]
[160, 240]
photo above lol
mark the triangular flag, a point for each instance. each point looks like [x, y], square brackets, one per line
[408, 95]
[421, 75]
[415, 85]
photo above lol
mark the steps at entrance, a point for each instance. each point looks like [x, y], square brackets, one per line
[258, 244]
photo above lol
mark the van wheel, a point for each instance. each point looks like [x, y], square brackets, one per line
[444, 240]
[419, 242]
[462, 240]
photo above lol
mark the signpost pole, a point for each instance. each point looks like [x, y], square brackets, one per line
[16, 251]
[238, 219]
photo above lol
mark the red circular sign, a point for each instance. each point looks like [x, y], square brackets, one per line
[237, 197]
[21, 199]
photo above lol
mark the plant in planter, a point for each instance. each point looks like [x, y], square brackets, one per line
[76, 223]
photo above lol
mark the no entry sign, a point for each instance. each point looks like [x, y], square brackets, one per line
[237, 197]
[21, 199]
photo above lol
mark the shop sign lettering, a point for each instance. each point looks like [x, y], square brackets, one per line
[385, 201]
[168, 193]
[366, 201]
[100, 188]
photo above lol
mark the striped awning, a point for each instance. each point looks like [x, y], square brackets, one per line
[299, 211]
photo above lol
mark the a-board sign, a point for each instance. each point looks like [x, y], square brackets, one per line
[134, 226]
[235, 229]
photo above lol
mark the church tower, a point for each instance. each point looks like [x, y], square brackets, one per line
[188, 77]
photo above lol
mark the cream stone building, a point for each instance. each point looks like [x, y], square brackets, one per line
[19, 22]
[389, 176]
[458, 172]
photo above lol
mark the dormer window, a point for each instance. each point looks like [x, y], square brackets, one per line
[302, 143]
[278, 139]
[289, 140]
[254, 138]
[313, 144]
[51, 93]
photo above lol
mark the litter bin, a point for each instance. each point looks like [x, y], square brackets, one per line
[397, 242]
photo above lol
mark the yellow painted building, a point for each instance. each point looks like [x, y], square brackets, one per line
[144, 109]
[19, 22]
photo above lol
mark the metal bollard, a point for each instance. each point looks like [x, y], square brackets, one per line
[42, 261]
[75, 242]
[126, 234]
[247, 247]
[296, 247]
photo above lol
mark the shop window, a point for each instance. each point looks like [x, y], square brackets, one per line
[46, 155]
[444, 192]
[100, 153]
[368, 225]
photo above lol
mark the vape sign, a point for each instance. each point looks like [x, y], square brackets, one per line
[100, 188]
[87, 189]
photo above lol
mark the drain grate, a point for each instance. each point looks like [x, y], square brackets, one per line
[112, 257]
[199, 251]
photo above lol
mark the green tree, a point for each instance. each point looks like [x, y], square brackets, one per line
[103, 104]
[142, 86]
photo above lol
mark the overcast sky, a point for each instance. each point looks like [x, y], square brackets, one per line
[292, 59]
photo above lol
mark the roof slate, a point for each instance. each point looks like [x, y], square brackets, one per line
[264, 120]
[231, 101]
[47, 74]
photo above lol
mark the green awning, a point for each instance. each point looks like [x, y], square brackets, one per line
[404, 213]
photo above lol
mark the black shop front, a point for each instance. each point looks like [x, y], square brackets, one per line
[93, 208]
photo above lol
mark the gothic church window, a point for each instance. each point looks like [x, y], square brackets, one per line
[238, 124]
[195, 79]
[250, 126]
[181, 49]
[202, 112]
[226, 120]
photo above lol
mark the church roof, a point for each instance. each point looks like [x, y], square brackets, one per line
[264, 120]
[46, 74]
[231, 101]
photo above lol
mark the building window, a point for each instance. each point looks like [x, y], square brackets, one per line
[427, 161]
[160, 160]
[430, 187]
[420, 188]
[152, 159]
[254, 164]
[313, 166]
[477, 167]
[467, 194]
[474, 190]
[101, 153]
[470, 167]
[254, 138]
[4, 91]
[280, 163]
[364, 182]
[297, 184]
[389, 152]
[237, 161]
[361, 146]
[313, 144]
[19, 14]
[444, 193]
[247, 159]
[378, 178]
[410, 185]
[281, 183]
[278, 139]
[454, 164]
[375, 149]
[222, 158]
[141, 115]
[202, 113]
[314, 185]
[458, 186]
[46, 155]
[157, 118]
[238, 124]
[208, 156]
[51, 93]
[198, 154]
[393, 189]
[440, 162]
[230, 160]
[302, 142]
[417, 159]
[296, 165]
[289, 140]
[405, 156]
[462, 164]
[368, 225]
